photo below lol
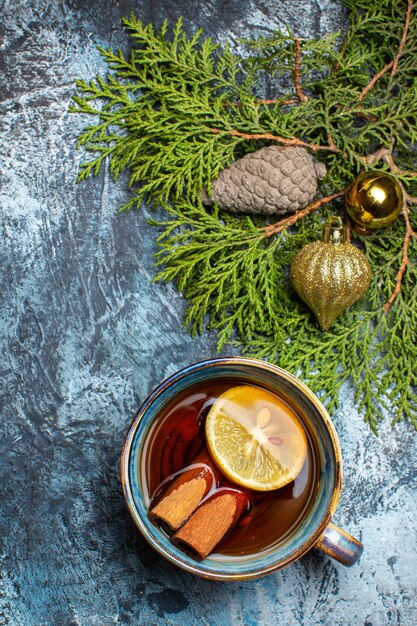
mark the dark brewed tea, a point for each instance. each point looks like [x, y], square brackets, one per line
[177, 438]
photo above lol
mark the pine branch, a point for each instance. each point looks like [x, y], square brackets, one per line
[178, 109]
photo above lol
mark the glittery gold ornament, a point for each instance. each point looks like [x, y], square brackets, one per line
[330, 275]
[373, 200]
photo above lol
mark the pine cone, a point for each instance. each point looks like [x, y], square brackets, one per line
[271, 181]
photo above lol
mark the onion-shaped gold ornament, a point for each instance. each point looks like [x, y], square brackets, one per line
[373, 200]
[330, 275]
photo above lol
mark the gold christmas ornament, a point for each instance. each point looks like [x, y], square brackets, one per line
[330, 275]
[373, 200]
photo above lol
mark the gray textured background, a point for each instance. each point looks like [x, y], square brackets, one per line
[85, 336]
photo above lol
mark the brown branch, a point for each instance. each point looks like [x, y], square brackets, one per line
[394, 63]
[403, 38]
[409, 233]
[297, 80]
[389, 160]
[282, 103]
[374, 80]
[272, 229]
[385, 154]
[293, 141]
[331, 143]
[372, 158]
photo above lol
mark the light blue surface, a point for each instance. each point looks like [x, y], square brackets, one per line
[86, 335]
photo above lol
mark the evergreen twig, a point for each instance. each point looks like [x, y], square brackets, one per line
[179, 109]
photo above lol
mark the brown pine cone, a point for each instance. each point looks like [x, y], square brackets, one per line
[270, 181]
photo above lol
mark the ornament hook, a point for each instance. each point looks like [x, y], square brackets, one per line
[334, 231]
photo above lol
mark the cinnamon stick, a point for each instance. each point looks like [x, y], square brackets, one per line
[186, 492]
[211, 522]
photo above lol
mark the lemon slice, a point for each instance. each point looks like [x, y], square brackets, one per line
[255, 438]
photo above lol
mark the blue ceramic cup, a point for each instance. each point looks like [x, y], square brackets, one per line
[315, 528]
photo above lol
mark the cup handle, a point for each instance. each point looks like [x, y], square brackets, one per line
[340, 545]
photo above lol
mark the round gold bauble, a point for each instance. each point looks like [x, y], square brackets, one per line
[373, 200]
[330, 275]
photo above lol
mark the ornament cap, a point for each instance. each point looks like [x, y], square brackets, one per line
[334, 231]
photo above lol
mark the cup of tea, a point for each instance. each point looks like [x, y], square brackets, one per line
[187, 505]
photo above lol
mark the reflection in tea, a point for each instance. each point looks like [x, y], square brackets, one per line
[196, 504]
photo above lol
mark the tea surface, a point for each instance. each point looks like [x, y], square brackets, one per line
[175, 440]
